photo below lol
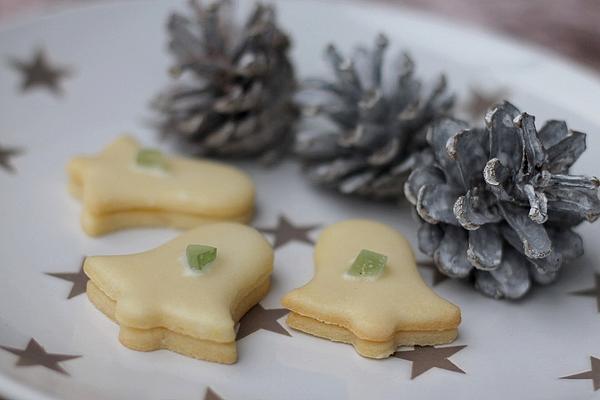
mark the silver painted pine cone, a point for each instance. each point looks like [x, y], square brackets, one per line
[498, 203]
[234, 94]
[376, 127]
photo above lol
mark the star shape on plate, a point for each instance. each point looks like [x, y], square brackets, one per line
[260, 318]
[211, 395]
[438, 277]
[78, 280]
[286, 231]
[479, 101]
[6, 153]
[591, 292]
[35, 354]
[593, 374]
[39, 72]
[428, 357]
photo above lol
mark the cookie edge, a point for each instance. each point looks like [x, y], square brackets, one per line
[369, 348]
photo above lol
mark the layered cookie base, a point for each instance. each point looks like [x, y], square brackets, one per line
[98, 224]
[101, 224]
[365, 347]
[161, 338]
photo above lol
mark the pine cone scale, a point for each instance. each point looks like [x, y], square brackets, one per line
[485, 247]
[512, 275]
[564, 154]
[451, 255]
[505, 143]
[553, 132]
[435, 204]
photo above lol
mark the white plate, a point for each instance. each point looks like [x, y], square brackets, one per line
[118, 58]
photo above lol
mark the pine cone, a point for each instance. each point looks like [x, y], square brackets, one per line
[498, 204]
[375, 133]
[236, 86]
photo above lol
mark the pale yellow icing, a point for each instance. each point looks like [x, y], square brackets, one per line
[187, 191]
[152, 289]
[372, 309]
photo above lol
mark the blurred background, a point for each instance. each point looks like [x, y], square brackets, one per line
[568, 27]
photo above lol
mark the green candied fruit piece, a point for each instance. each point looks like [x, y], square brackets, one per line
[151, 158]
[368, 264]
[199, 256]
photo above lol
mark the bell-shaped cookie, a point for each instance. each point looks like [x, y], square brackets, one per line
[179, 298]
[367, 291]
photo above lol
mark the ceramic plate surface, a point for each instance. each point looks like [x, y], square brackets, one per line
[117, 62]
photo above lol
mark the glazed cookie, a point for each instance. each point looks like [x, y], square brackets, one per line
[127, 186]
[186, 295]
[367, 292]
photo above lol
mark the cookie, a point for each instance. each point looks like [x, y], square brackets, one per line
[367, 292]
[126, 186]
[182, 299]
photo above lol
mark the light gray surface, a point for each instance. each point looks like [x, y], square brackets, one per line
[515, 350]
